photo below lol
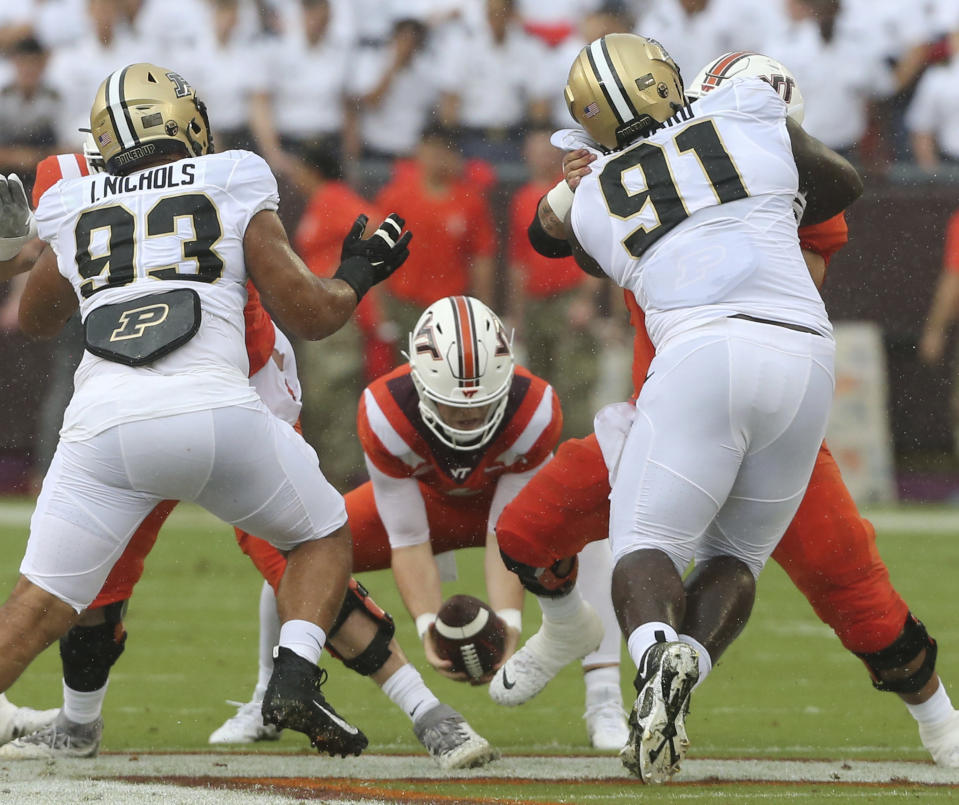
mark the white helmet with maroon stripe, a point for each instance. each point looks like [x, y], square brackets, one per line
[744, 63]
[462, 366]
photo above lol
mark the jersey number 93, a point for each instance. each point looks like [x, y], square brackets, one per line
[117, 265]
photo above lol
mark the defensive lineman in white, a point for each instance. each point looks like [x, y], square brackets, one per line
[693, 207]
[156, 253]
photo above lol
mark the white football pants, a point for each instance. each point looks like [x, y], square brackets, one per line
[241, 463]
[726, 432]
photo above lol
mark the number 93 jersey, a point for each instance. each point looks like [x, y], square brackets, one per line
[122, 238]
[697, 219]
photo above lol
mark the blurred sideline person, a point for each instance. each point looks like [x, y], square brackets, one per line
[363, 639]
[552, 302]
[162, 394]
[450, 438]
[449, 210]
[829, 550]
[943, 310]
[713, 460]
[334, 372]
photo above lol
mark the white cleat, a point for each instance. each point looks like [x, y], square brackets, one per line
[942, 741]
[657, 724]
[606, 726]
[17, 721]
[246, 727]
[451, 742]
[546, 653]
[62, 738]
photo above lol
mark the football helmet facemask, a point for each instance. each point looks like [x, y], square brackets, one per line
[142, 111]
[621, 87]
[461, 356]
[739, 64]
[91, 153]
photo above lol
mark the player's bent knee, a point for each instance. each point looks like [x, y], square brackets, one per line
[89, 652]
[377, 652]
[907, 664]
[554, 581]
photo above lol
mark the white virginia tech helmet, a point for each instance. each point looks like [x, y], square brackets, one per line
[461, 356]
[91, 153]
[744, 63]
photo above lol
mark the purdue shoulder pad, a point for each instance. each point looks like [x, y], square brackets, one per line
[140, 331]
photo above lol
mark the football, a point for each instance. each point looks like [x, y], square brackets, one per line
[470, 635]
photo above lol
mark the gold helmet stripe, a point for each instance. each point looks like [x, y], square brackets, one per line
[117, 109]
[609, 82]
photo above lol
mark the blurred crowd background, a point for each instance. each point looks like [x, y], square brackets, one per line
[442, 110]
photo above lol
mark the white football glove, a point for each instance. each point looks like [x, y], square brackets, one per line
[17, 225]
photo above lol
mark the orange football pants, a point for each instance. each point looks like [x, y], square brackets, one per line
[455, 522]
[829, 549]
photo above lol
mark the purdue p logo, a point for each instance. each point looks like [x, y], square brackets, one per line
[133, 323]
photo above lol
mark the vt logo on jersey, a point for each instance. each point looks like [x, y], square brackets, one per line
[460, 473]
[134, 322]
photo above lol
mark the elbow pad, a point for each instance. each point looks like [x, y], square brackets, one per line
[544, 243]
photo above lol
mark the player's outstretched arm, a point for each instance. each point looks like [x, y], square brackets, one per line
[417, 578]
[830, 183]
[309, 306]
[48, 299]
[22, 261]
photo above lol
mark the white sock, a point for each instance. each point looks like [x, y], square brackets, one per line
[564, 608]
[936, 708]
[602, 685]
[407, 690]
[269, 636]
[705, 661]
[82, 707]
[646, 635]
[304, 638]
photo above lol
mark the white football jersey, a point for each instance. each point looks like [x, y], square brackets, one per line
[178, 225]
[697, 220]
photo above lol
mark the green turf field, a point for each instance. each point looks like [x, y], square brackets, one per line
[785, 690]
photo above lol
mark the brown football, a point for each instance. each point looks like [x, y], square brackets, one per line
[470, 635]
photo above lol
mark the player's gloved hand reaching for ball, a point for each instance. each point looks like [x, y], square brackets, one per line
[366, 261]
[16, 219]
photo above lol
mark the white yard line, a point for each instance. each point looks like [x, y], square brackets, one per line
[539, 767]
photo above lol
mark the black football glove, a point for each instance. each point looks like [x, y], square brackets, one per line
[367, 261]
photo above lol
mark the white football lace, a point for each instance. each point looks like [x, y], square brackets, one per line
[471, 660]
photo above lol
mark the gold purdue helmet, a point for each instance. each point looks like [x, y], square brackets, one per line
[142, 111]
[621, 86]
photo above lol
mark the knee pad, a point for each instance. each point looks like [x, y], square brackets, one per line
[89, 652]
[543, 581]
[375, 655]
[912, 641]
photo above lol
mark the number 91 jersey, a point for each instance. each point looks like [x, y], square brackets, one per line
[176, 225]
[697, 219]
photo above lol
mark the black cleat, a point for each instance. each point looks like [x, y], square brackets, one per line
[294, 701]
